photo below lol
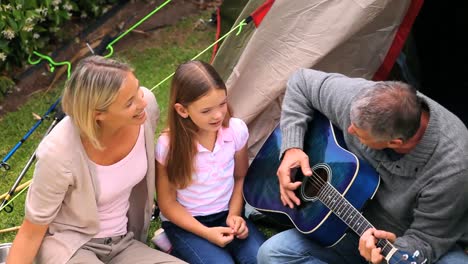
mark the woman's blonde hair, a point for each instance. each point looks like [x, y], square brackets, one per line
[93, 86]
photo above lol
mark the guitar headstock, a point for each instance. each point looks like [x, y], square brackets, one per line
[402, 257]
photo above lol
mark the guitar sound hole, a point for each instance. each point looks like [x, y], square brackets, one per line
[313, 184]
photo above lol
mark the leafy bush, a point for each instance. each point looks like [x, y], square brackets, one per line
[6, 84]
[31, 25]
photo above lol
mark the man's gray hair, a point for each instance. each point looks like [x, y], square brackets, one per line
[388, 110]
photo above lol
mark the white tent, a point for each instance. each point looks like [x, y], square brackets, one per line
[360, 38]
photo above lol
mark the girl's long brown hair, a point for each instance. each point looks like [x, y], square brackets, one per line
[191, 81]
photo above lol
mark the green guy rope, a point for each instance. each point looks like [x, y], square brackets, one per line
[14, 197]
[52, 63]
[109, 46]
[240, 26]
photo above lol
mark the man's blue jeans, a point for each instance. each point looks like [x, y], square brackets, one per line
[194, 249]
[454, 256]
[293, 247]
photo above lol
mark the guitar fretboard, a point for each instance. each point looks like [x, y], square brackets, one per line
[332, 199]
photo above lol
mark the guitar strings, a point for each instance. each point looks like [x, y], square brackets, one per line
[318, 183]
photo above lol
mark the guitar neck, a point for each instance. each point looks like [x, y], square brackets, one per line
[332, 199]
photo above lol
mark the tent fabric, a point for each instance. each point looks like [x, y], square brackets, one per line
[232, 47]
[399, 41]
[349, 37]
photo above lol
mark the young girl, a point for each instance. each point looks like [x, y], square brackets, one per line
[202, 160]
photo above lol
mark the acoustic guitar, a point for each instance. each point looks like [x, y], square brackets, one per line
[331, 199]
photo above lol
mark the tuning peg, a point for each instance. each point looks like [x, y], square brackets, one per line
[416, 255]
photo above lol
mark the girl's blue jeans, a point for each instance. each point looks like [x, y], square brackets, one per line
[194, 249]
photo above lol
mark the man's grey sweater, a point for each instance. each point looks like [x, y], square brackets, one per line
[422, 195]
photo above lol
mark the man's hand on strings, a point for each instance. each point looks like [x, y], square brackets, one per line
[293, 158]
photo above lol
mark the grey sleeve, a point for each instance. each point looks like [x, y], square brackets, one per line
[440, 217]
[296, 112]
[308, 90]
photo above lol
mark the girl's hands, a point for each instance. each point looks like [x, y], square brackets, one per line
[220, 235]
[238, 225]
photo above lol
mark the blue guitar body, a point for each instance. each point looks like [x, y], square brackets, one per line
[331, 199]
[324, 144]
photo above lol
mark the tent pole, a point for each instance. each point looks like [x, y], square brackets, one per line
[5, 204]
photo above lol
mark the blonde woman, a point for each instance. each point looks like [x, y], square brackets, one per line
[93, 186]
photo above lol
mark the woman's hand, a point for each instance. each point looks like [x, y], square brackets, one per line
[238, 225]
